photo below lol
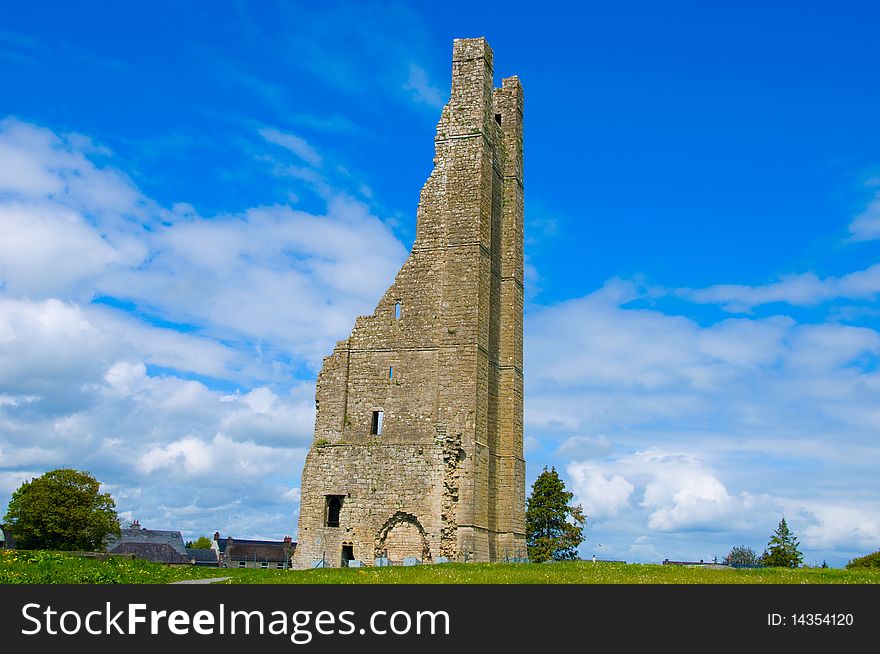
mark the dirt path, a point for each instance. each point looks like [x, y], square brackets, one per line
[207, 580]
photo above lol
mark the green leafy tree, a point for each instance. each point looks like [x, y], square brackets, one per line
[554, 528]
[782, 550]
[201, 543]
[867, 561]
[742, 555]
[62, 510]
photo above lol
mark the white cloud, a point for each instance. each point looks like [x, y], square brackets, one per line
[314, 274]
[196, 456]
[10, 481]
[866, 226]
[833, 526]
[678, 492]
[48, 348]
[35, 250]
[682, 494]
[296, 144]
[64, 219]
[423, 91]
[37, 165]
[805, 289]
[602, 497]
[262, 414]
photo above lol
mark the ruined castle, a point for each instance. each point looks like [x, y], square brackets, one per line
[418, 448]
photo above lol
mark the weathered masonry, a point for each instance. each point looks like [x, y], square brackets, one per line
[419, 427]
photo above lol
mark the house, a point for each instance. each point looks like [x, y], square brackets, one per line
[712, 565]
[2, 538]
[159, 546]
[245, 553]
[203, 556]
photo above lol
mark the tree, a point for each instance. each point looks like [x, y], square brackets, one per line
[62, 510]
[742, 555]
[782, 550]
[554, 529]
[867, 561]
[201, 543]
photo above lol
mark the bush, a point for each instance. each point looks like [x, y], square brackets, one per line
[742, 555]
[867, 561]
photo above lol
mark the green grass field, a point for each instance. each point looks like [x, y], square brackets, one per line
[18, 567]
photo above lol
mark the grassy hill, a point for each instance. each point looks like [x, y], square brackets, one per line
[52, 567]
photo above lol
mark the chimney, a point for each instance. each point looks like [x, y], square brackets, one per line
[135, 525]
[288, 540]
[216, 536]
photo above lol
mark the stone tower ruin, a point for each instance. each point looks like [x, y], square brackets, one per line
[418, 448]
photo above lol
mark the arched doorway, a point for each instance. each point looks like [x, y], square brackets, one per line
[402, 536]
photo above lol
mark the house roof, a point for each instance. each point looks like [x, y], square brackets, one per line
[152, 536]
[155, 552]
[257, 551]
[223, 542]
[694, 563]
[205, 555]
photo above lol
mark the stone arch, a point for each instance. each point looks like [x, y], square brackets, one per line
[402, 535]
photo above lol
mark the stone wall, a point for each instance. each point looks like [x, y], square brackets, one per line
[440, 358]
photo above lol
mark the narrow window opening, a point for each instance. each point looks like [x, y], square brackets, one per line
[334, 508]
[347, 554]
[241, 564]
[397, 310]
[498, 118]
[376, 425]
[391, 372]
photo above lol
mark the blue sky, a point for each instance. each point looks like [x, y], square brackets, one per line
[197, 199]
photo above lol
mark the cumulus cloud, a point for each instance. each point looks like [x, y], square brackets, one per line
[831, 526]
[313, 274]
[677, 490]
[682, 494]
[601, 496]
[56, 201]
[40, 166]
